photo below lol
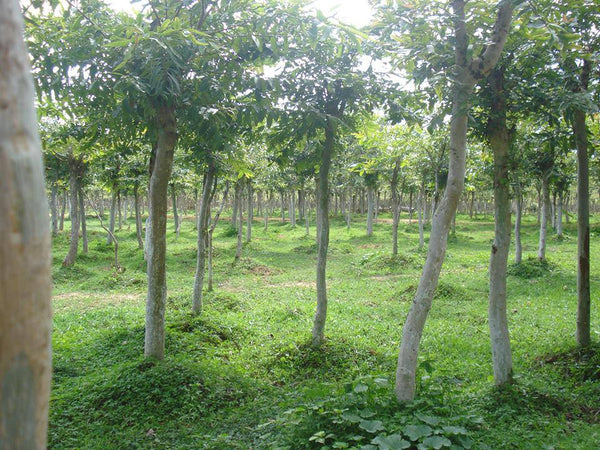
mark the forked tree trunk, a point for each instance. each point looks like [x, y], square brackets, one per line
[518, 215]
[498, 135]
[318, 331]
[154, 340]
[467, 75]
[203, 217]
[25, 287]
[370, 209]
[545, 215]
[583, 218]
[113, 214]
[84, 236]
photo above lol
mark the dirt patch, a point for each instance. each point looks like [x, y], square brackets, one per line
[87, 301]
[259, 269]
[370, 246]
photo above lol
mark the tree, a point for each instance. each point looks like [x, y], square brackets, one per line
[25, 286]
[467, 72]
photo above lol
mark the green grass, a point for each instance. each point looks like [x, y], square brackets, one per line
[242, 375]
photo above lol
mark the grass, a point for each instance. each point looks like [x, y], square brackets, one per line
[242, 375]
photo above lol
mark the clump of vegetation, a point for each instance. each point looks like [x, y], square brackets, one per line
[362, 414]
[444, 291]
[382, 262]
[580, 365]
[530, 268]
[224, 301]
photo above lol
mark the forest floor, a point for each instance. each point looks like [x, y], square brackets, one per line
[243, 376]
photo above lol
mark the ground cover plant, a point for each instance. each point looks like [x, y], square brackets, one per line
[244, 375]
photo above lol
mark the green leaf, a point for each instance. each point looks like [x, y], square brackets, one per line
[371, 426]
[361, 388]
[391, 442]
[353, 418]
[454, 430]
[429, 420]
[437, 442]
[416, 432]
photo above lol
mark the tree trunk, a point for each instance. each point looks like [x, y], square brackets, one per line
[235, 206]
[318, 331]
[349, 212]
[498, 135]
[63, 210]
[292, 211]
[113, 213]
[518, 215]
[559, 214]
[203, 217]
[75, 168]
[138, 216]
[282, 206]
[583, 218]
[545, 214]
[410, 207]
[250, 215]
[211, 230]
[467, 74]
[54, 210]
[266, 214]
[370, 209]
[84, 236]
[154, 341]
[25, 286]
[421, 213]
[240, 224]
[119, 210]
[395, 207]
[175, 212]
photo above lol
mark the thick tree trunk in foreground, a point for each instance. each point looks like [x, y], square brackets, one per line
[318, 331]
[498, 135]
[25, 287]
[468, 73]
[202, 238]
[154, 341]
[583, 219]
[75, 169]
[545, 207]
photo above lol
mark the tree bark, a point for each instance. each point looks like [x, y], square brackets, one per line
[395, 207]
[498, 135]
[468, 73]
[292, 210]
[559, 214]
[583, 218]
[240, 223]
[318, 331]
[202, 237]
[211, 230]
[154, 341]
[175, 212]
[25, 286]
[63, 210]
[421, 213]
[120, 213]
[250, 215]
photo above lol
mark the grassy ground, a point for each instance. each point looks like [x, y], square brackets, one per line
[243, 376]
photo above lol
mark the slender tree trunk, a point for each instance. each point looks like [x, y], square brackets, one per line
[370, 209]
[138, 216]
[235, 206]
[113, 214]
[498, 135]
[292, 210]
[266, 214]
[84, 236]
[119, 210]
[53, 210]
[250, 215]
[75, 169]
[202, 237]
[240, 224]
[472, 204]
[545, 214]
[349, 212]
[25, 286]
[395, 207]
[583, 218]
[175, 212]
[318, 331]
[540, 204]
[559, 214]
[154, 341]
[518, 215]
[63, 210]
[410, 207]
[467, 74]
[282, 206]
[421, 213]
[211, 230]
